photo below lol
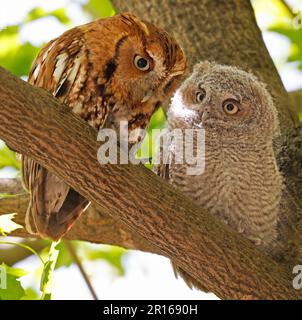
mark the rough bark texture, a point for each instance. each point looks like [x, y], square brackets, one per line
[33, 123]
[151, 213]
[94, 225]
[296, 97]
[226, 32]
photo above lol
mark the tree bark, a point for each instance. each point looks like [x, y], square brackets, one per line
[93, 226]
[12, 186]
[226, 32]
[15, 254]
[33, 122]
[296, 97]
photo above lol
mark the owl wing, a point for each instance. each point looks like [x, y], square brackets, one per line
[54, 206]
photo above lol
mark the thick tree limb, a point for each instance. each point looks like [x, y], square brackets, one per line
[227, 264]
[15, 254]
[94, 225]
[296, 96]
[226, 31]
[33, 122]
[12, 186]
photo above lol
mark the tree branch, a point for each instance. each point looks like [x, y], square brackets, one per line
[93, 226]
[12, 186]
[296, 96]
[78, 262]
[15, 253]
[226, 32]
[33, 122]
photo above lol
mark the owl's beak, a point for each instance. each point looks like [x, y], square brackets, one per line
[205, 115]
[147, 96]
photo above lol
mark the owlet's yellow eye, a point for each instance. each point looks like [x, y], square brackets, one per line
[231, 107]
[141, 63]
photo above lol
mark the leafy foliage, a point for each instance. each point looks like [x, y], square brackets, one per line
[8, 158]
[7, 224]
[13, 289]
[295, 37]
[112, 255]
[46, 278]
[99, 9]
[38, 13]
[17, 56]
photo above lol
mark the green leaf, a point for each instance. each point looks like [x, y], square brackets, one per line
[30, 294]
[112, 255]
[35, 14]
[10, 31]
[46, 278]
[295, 37]
[17, 57]
[99, 8]
[38, 13]
[64, 258]
[7, 224]
[16, 272]
[6, 195]
[8, 158]
[61, 15]
[12, 288]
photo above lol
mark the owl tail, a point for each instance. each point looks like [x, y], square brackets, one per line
[53, 206]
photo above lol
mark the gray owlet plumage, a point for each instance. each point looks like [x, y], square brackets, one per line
[241, 184]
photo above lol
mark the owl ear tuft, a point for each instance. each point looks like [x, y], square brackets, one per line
[131, 19]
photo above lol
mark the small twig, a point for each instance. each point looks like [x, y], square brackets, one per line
[78, 262]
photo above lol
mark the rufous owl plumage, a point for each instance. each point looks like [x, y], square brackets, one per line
[241, 183]
[110, 70]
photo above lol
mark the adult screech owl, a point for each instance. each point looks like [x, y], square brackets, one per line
[241, 184]
[107, 71]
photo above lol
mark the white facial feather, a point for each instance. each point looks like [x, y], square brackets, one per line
[178, 108]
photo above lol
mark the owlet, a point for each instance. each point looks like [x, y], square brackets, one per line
[110, 70]
[241, 183]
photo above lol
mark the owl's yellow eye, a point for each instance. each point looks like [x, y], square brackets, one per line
[141, 63]
[200, 95]
[231, 107]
